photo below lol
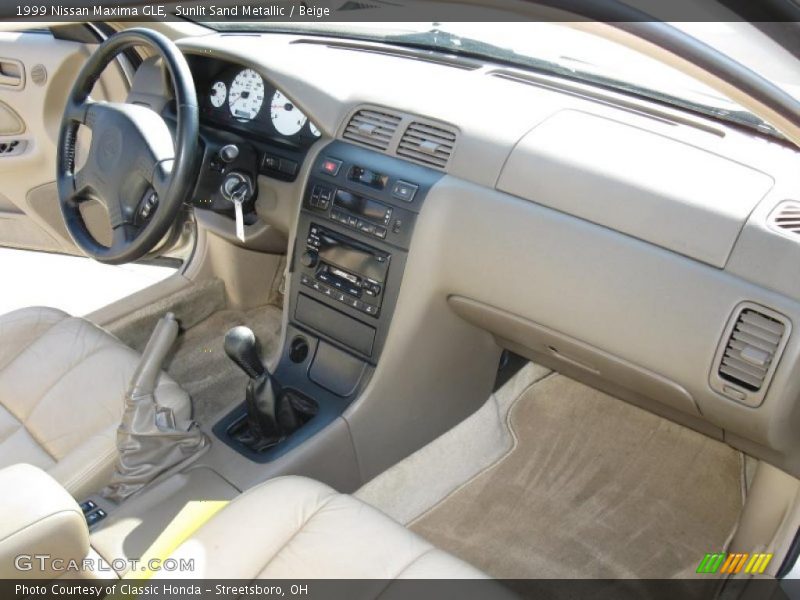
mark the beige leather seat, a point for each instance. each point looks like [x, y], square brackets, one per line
[62, 387]
[293, 527]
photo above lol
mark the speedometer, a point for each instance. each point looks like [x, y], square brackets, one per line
[218, 94]
[246, 95]
[286, 117]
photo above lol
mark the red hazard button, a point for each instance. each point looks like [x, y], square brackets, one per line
[331, 166]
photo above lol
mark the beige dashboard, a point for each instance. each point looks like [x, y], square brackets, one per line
[617, 240]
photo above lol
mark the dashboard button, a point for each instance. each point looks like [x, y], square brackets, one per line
[380, 232]
[271, 162]
[404, 191]
[366, 227]
[331, 166]
[287, 167]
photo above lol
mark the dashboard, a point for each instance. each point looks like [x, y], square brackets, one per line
[236, 98]
[608, 237]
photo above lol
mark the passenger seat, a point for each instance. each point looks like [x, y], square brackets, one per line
[298, 528]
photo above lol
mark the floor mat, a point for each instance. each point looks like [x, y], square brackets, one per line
[595, 488]
[420, 481]
[201, 366]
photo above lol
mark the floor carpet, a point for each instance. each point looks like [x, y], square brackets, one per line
[593, 487]
[200, 365]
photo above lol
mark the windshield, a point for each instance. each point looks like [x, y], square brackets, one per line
[548, 47]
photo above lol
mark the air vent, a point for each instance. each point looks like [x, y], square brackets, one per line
[787, 217]
[427, 144]
[372, 128]
[754, 340]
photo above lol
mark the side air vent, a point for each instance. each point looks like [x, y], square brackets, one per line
[426, 144]
[787, 217]
[372, 128]
[753, 342]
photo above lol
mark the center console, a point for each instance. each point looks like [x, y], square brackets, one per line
[354, 230]
[353, 235]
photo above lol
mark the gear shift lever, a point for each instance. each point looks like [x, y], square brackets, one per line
[243, 348]
[272, 414]
[263, 393]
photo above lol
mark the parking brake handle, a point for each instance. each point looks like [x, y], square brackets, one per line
[152, 440]
[155, 353]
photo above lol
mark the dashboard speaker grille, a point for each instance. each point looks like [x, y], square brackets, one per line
[751, 349]
[429, 145]
[39, 74]
[787, 217]
[372, 128]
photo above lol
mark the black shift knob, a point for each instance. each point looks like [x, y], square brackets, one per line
[243, 348]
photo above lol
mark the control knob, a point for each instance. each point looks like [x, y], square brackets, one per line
[309, 259]
[229, 153]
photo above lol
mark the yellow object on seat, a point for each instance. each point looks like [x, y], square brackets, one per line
[191, 517]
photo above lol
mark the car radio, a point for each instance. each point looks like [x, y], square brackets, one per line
[344, 269]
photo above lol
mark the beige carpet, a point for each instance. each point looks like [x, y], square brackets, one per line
[200, 365]
[593, 487]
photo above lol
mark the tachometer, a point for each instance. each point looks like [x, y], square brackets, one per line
[286, 117]
[219, 91]
[314, 130]
[246, 95]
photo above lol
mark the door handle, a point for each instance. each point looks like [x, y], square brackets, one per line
[12, 73]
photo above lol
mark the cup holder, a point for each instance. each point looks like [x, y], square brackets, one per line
[298, 349]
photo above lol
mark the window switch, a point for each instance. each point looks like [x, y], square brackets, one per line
[95, 517]
[88, 506]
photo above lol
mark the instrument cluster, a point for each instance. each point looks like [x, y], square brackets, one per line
[240, 99]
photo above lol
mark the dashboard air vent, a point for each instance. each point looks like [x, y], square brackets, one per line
[426, 144]
[787, 217]
[752, 347]
[372, 128]
[749, 353]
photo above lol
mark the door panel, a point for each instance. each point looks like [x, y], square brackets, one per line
[36, 73]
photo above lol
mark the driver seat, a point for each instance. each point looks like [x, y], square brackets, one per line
[62, 390]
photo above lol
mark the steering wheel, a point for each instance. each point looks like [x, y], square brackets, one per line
[134, 167]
